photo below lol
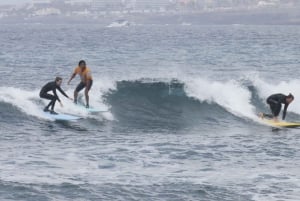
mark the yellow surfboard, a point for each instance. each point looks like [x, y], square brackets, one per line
[281, 123]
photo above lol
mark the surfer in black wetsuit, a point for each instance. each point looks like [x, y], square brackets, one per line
[275, 102]
[52, 86]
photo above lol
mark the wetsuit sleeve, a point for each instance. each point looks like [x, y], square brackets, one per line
[55, 94]
[284, 111]
[62, 92]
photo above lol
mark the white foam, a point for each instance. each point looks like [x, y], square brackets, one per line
[120, 23]
[99, 88]
[22, 99]
[229, 94]
[30, 103]
[265, 89]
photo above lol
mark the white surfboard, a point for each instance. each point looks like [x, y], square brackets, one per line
[61, 117]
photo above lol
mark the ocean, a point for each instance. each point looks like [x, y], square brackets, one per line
[181, 106]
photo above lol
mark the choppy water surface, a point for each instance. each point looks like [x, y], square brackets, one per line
[181, 121]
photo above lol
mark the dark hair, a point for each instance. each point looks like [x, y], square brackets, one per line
[58, 79]
[290, 96]
[81, 62]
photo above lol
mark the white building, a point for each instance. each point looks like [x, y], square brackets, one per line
[151, 5]
[41, 1]
[78, 2]
[106, 5]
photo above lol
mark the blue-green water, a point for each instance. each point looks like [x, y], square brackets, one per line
[181, 125]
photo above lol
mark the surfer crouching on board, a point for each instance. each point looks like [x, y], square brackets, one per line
[52, 86]
[86, 81]
[275, 102]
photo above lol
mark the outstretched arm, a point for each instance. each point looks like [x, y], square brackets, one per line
[62, 92]
[71, 78]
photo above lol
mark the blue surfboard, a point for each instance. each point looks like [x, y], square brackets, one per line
[91, 109]
[61, 117]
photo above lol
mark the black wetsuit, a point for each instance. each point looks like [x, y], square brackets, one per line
[275, 102]
[51, 86]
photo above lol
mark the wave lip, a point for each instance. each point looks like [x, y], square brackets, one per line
[178, 104]
[154, 103]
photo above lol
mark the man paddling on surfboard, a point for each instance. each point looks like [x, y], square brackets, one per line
[275, 102]
[52, 86]
[86, 81]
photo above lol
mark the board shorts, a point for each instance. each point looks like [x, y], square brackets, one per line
[82, 85]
